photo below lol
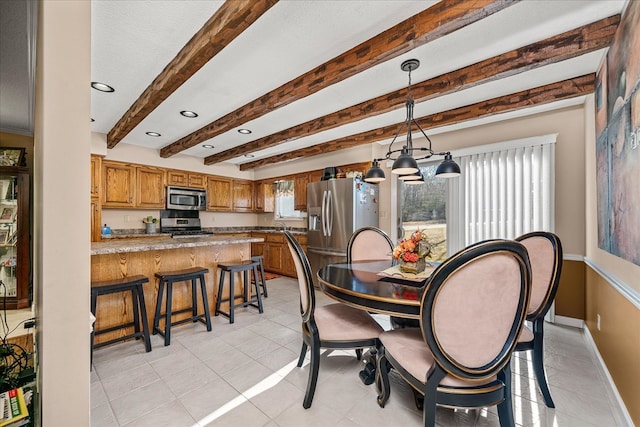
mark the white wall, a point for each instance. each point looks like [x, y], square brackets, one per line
[61, 227]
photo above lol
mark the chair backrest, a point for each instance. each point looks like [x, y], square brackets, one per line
[545, 256]
[474, 307]
[369, 243]
[305, 277]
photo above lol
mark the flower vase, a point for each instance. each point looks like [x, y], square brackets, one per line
[413, 267]
[150, 227]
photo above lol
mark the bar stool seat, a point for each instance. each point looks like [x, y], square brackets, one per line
[243, 267]
[263, 281]
[131, 284]
[169, 278]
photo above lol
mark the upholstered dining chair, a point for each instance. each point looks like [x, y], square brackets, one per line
[369, 244]
[373, 244]
[334, 326]
[472, 311]
[545, 256]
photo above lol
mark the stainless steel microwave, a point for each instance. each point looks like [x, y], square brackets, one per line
[182, 198]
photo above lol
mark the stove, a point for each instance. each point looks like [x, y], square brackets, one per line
[181, 223]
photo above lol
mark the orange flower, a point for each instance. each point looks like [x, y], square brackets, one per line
[407, 250]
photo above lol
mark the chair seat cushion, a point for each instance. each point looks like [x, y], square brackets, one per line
[407, 346]
[340, 322]
[526, 335]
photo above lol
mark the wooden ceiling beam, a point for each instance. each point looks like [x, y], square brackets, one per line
[441, 19]
[565, 89]
[582, 40]
[228, 22]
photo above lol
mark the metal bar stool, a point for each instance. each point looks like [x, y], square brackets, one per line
[263, 281]
[168, 278]
[131, 284]
[244, 267]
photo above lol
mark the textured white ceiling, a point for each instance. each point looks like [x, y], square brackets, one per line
[133, 40]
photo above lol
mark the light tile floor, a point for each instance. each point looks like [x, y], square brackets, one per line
[245, 374]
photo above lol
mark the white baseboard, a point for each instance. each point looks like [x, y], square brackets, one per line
[626, 417]
[568, 321]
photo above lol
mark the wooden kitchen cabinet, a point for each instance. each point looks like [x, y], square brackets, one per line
[150, 187]
[96, 166]
[300, 191]
[274, 249]
[242, 196]
[264, 196]
[118, 185]
[219, 196]
[273, 252]
[186, 179]
[96, 221]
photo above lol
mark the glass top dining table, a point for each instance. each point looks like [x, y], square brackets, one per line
[361, 284]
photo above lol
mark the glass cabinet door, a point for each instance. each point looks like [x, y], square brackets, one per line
[8, 236]
[15, 266]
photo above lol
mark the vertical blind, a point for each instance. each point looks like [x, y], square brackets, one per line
[503, 194]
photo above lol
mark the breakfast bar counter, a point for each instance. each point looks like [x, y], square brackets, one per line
[118, 258]
[115, 246]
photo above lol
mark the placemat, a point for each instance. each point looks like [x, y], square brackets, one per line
[420, 277]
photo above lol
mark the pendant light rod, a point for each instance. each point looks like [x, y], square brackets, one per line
[405, 163]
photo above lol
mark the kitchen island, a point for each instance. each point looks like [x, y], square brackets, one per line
[117, 258]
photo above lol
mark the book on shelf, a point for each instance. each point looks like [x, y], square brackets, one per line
[13, 407]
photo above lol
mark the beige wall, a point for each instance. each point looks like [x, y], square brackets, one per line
[61, 210]
[618, 339]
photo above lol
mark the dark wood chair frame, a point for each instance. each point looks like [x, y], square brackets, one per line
[359, 231]
[537, 318]
[310, 335]
[497, 392]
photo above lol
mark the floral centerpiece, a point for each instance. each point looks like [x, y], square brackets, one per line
[411, 252]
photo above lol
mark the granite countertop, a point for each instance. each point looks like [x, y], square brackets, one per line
[159, 242]
[135, 233]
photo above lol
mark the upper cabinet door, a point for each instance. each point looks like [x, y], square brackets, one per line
[219, 193]
[177, 178]
[150, 187]
[118, 184]
[197, 180]
[96, 163]
[242, 195]
[300, 192]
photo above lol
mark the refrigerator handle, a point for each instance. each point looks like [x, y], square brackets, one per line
[322, 213]
[329, 214]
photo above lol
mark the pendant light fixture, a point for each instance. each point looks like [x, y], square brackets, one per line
[405, 164]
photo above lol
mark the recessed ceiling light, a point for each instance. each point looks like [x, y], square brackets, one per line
[250, 156]
[189, 114]
[207, 146]
[244, 131]
[102, 87]
[154, 134]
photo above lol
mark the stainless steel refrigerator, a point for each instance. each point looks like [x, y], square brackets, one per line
[336, 208]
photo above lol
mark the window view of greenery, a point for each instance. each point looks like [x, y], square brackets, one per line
[424, 208]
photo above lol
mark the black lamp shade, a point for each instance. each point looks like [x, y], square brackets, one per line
[375, 174]
[448, 168]
[405, 164]
[418, 181]
[410, 177]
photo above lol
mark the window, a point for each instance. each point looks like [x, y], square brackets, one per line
[424, 207]
[504, 190]
[284, 191]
